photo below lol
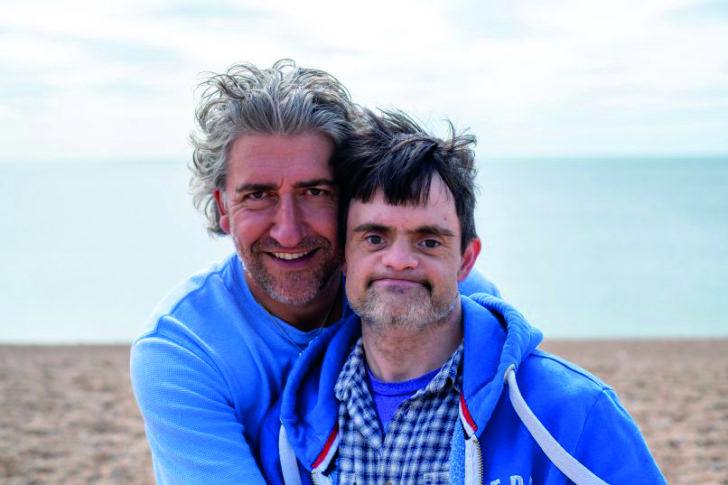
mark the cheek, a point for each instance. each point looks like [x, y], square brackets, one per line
[360, 266]
[248, 228]
[354, 284]
[355, 259]
[324, 222]
[348, 254]
[357, 280]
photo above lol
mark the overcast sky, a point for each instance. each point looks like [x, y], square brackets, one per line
[96, 80]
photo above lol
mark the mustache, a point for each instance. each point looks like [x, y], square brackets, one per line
[269, 244]
[426, 283]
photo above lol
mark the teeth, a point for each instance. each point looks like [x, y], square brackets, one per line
[291, 256]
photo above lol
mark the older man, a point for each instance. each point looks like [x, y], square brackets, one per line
[413, 389]
[217, 350]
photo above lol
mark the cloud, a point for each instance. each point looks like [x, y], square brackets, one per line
[197, 12]
[528, 77]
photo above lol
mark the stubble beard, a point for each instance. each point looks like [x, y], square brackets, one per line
[412, 309]
[297, 287]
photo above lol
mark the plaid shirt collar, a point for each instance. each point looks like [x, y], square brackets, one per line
[353, 374]
[417, 443]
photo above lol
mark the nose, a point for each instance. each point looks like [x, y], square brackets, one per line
[288, 224]
[399, 256]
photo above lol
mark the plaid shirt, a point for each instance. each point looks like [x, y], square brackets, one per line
[416, 448]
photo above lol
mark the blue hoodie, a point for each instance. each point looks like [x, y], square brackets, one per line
[492, 446]
[209, 364]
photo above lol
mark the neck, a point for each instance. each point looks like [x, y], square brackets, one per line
[402, 354]
[325, 309]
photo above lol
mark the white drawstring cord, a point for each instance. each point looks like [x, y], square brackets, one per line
[569, 466]
[289, 463]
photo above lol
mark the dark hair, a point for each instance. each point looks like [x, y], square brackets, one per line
[283, 100]
[392, 153]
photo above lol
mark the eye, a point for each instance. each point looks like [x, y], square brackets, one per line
[256, 200]
[256, 195]
[431, 243]
[317, 192]
[374, 239]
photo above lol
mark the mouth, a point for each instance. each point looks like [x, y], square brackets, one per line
[401, 283]
[292, 256]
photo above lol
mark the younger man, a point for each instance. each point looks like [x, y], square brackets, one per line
[413, 389]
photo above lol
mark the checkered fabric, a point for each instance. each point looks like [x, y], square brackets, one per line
[416, 448]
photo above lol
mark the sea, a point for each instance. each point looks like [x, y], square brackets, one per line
[584, 247]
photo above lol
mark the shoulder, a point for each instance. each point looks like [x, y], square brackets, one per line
[568, 400]
[201, 324]
[554, 387]
[197, 296]
[475, 282]
[587, 418]
[210, 310]
[553, 367]
[207, 341]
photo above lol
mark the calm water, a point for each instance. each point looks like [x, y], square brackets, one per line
[585, 248]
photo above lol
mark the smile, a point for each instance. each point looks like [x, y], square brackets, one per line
[292, 256]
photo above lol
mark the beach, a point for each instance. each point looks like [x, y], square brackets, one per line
[67, 413]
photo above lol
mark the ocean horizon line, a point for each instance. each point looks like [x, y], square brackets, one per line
[575, 157]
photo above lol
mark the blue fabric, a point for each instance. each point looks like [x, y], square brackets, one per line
[477, 283]
[457, 456]
[205, 370]
[389, 395]
[582, 413]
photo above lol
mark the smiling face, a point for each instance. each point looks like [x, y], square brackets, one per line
[280, 207]
[403, 263]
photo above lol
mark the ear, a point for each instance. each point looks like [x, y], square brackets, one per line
[469, 256]
[219, 196]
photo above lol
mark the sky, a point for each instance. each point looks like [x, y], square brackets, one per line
[99, 80]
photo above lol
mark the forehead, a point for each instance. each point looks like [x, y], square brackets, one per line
[280, 157]
[438, 209]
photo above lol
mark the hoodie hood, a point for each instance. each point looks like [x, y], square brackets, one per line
[496, 337]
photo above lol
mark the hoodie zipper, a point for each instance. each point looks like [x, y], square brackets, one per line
[480, 459]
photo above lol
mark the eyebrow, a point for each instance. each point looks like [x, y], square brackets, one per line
[314, 183]
[432, 229]
[253, 187]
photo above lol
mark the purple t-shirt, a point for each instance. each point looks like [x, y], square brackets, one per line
[389, 395]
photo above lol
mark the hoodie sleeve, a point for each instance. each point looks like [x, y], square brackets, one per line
[612, 446]
[192, 431]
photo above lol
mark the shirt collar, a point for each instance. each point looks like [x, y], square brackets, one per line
[449, 376]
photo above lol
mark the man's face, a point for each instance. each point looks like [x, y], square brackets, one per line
[403, 263]
[280, 207]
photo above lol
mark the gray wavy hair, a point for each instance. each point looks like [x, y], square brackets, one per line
[283, 100]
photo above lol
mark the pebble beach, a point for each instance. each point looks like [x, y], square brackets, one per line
[67, 413]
